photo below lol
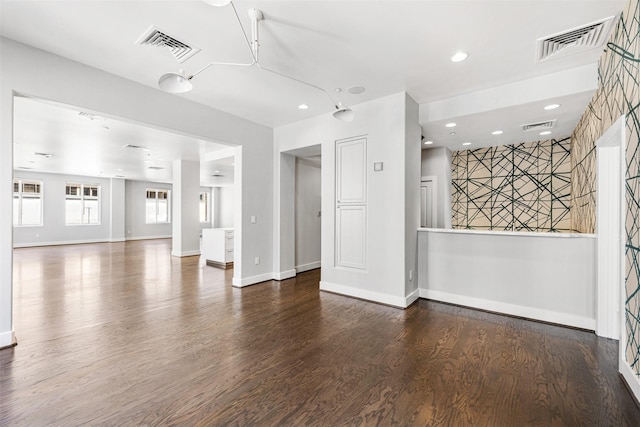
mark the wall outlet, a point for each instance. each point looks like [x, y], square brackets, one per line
[257, 260]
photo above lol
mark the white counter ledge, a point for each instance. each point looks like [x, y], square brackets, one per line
[507, 233]
[543, 276]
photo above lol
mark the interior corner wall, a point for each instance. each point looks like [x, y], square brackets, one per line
[437, 162]
[28, 71]
[520, 187]
[618, 94]
[382, 123]
[54, 230]
[307, 214]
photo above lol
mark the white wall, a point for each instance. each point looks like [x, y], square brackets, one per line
[437, 162]
[544, 276]
[226, 207]
[383, 122]
[28, 71]
[135, 212]
[307, 221]
[54, 230]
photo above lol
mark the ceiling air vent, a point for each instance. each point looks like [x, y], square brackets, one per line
[532, 127]
[156, 37]
[573, 41]
[135, 147]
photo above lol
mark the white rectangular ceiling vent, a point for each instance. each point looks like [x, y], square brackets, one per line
[532, 127]
[156, 37]
[572, 41]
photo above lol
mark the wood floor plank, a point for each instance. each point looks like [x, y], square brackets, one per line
[124, 334]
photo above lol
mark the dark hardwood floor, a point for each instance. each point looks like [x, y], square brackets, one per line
[123, 334]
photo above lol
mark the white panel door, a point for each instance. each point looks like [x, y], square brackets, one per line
[426, 204]
[351, 226]
[351, 171]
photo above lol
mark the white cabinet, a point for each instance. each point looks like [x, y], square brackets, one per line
[217, 246]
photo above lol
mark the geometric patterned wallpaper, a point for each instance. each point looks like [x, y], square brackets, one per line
[521, 187]
[618, 94]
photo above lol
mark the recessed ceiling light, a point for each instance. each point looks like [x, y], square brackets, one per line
[551, 106]
[356, 90]
[303, 106]
[428, 142]
[466, 143]
[450, 125]
[546, 132]
[459, 56]
[496, 132]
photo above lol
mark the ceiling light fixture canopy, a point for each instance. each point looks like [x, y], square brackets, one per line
[180, 82]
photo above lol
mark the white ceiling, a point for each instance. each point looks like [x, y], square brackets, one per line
[84, 143]
[386, 46]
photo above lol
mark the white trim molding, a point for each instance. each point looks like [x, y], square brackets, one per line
[247, 281]
[411, 298]
[511, 309]
[306, 267]
[7, 339]
[283, 275]
[364, 294]
[610, 229]
[185, 253]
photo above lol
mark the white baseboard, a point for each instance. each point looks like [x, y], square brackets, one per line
[306, 267]
[512, 309]
[364, 294]
[148, 237]
[247, 281]
[185, 253]
[630, 377]
[283, 275]
[411, 298]
[59, 243]
[7, 339]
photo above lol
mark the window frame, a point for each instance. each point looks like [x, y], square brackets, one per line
[82, 187]
[21, 195]
[157, 191]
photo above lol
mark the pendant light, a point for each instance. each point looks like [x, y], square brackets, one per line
[180, 82]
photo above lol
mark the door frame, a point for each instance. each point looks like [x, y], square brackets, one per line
[434, 198]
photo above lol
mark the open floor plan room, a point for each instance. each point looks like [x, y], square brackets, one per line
[125, 334]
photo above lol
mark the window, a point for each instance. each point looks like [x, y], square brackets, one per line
[82, 204]
[157, 206]
[205, 208]
[27, 202]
